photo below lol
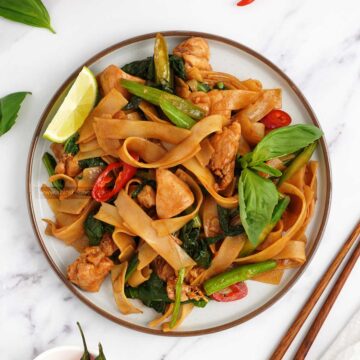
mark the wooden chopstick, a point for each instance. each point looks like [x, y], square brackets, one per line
[315, 296]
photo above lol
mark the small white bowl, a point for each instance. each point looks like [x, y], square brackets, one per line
[62, 353]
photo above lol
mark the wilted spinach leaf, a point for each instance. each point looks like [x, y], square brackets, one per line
[95, 229]
[92, 162]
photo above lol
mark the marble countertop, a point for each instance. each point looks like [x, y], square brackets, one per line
[317, 43]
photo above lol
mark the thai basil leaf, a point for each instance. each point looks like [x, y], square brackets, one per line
[267, 170]
[86, 354]
[141, 68]
[50, 164]
[101, 355]
[133, 104]
[225, 216]
[9, 108]
[133, 263]
[178, 66]
[152, 293]
[29, 12]
[257, 200]
[92, 162]
[70, 146]
[137, 191]
[95, 229]
[283, 141]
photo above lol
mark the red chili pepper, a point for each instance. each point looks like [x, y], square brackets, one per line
[101, 192]
[275, 119]
[232, 293]
[244, 2]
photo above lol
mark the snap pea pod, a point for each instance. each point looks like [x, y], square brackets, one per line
[177, 303]
[176, 116]
[298, 163]
[238, 274]
[161, 61]
[278, 211]
[153, 95]
[50, 164]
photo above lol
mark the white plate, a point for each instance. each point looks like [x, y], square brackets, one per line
[226, 56]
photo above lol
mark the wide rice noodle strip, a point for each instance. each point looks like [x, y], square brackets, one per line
[276, 248]
[206, 178]
[228, 252]
[268, 101]
[133, 115]
[210, 219]
[185, 310]
[109, 146]
[244, 147]
[222, 100]
[89, 146]
[272, 277]
[109, 214]
[206, 152]
[109, 104]
[253, 132]
[63, 219]
[150, 112]
[275, 235]
[118, 284]
[88, 178]
[146, 255]
[123, 129]
[139, 276]
[90, 154]
[181, 152]
[162, 318]
[140, 223]
[168, 226]
[294, 254]
[73, 231]
[125, 243]
[70, 185]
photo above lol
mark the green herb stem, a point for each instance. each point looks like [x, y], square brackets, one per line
[177, 304]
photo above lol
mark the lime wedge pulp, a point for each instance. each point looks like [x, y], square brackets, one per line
[75, 108]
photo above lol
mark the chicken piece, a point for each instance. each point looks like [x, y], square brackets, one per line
[58, 150]
[196, 54]
[173, 195]
[146, 197]
[60, 168]
[188, 292]
[107, 245]
[162, 269]
[72, 167]
[110, 79]
[89, 270]
[222, 163]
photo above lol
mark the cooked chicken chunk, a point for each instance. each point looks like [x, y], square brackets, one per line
[146, 197]
[173, 195]
[110, 79]
[196, 54]
[188, 292]
[107, 245]
[162, 269]
[222, 162]
[89, 270]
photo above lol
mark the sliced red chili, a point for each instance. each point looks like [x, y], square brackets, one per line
[101, 190]
[244, 2]
[275, 119]
[232, 293]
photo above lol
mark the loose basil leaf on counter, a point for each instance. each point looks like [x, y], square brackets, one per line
[267, 170]
[257, 200]
[9, 108]
[86, 354]
[283, 141]
[29, 12]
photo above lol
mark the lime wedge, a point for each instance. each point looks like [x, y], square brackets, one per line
[75, 108]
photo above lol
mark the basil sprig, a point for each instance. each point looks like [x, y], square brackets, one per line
[257, 200]
[9, 108]
[29, 12]
[280, 142]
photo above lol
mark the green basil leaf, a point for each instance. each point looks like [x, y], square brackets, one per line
[283, 141]
[9, 108]
[178, 66]
[257, 200]
[29, 12]
[267, 170]
[92, 162]
[70, 146]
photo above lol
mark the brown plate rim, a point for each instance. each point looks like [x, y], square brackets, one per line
[312, 250]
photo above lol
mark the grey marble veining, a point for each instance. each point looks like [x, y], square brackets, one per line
[317, 43]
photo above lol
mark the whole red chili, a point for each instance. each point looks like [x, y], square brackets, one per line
[244, 2]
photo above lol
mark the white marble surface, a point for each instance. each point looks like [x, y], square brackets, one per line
[317, 43]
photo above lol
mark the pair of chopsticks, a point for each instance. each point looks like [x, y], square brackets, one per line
[315, 296]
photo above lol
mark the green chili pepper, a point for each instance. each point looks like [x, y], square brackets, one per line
[161, 61]
[101, 355]
[152, 95]
[277, 213]
[177, 303]
[176, 116]
[50, 164]
[233, 276]
[298, 163]
[86, 354]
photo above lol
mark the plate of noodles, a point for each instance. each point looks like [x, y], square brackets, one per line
[192, 192]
